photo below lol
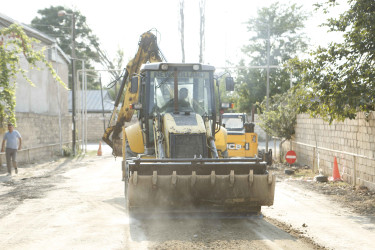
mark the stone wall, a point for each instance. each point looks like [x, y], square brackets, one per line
[95, 126]
[41, 136]
[352, 142]
[39, 129]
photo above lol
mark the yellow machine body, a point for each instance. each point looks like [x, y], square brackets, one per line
[221, 140]
[241, 139]
[175, 155]
[134, 137]
[171, 127]
[242, 145]
[185, 164]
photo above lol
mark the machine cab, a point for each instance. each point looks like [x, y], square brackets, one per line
[176, 89]
[234, 122]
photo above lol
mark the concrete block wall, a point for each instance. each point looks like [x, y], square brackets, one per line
[95, 126]
[39, 129]
[39, 133]
[352, 142]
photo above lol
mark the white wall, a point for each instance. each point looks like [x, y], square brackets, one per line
[45, 97]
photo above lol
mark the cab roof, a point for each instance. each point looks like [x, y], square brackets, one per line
[229, 115]
[157, 66]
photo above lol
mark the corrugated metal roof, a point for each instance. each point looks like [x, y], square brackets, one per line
[94, 101]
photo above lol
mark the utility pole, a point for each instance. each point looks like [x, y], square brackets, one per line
[268, 74]
[73, 58]
[73, 85]
[202, 7]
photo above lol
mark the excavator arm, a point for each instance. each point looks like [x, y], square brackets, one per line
[148, 51]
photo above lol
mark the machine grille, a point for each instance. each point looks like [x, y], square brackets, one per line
[188, 145]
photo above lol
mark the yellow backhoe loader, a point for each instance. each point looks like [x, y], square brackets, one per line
[173, 156]
[242, 141]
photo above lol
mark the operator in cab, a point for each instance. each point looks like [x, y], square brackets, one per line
[183, 102]
[182, 98]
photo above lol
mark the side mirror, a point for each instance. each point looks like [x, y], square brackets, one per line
[134, 84]
[229, 83]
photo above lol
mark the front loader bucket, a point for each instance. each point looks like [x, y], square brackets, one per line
[218, 185]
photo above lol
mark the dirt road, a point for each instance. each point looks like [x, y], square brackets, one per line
[321, 219]
[79, 204]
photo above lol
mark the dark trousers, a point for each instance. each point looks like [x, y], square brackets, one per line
[11, 156]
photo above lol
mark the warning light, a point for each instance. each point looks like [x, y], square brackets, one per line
[135, 106]
[226, 105]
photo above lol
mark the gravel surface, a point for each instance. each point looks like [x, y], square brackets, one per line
[79, 204]
[358, 199]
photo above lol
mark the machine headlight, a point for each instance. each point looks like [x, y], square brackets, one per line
[164, 67]
[196, 67]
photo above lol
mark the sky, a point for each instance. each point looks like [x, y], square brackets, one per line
[119, 24]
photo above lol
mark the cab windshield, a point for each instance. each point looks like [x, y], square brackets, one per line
[193, 92]
[233, 123]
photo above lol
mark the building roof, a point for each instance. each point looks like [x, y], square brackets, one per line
[93, 101]
[6, 21]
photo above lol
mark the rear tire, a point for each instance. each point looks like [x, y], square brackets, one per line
[224, 154]
[268, 157]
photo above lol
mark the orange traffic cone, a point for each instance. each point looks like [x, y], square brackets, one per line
[335, 173]
[100, 149]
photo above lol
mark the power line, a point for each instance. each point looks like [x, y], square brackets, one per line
[50, 25]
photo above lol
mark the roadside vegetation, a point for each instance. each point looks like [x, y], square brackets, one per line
[16, 42]
[334, 82]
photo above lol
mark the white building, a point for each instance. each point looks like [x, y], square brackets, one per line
[42, 111]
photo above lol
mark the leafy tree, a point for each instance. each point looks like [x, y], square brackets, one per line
[16, 42]
[87, 44]
[220, 88]
[339, 79]
[118, 64]
[281, 117]
[282, 25]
